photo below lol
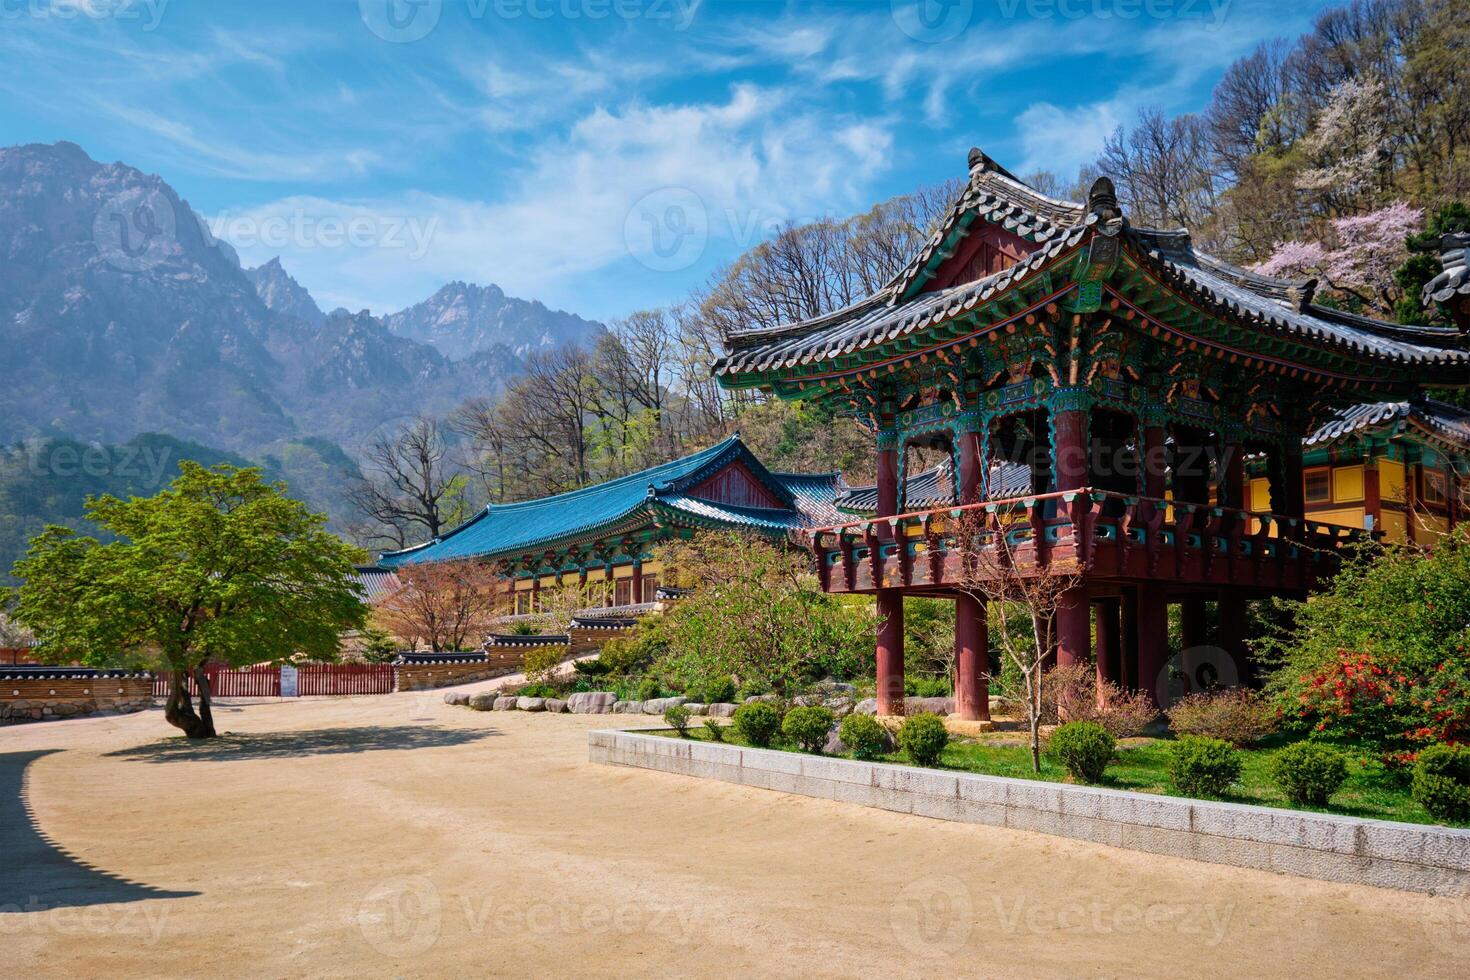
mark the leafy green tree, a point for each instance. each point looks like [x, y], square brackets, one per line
[219, 567]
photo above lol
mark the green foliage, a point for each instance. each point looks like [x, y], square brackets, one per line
[1200, 766]
[712, 690]
[1441, 782]
[1378, 659]
[1084, 748]
[753, 687]
[864, 735]
[378, 646]
[808, 727]
[1238, 715]
[220, 566]
[646, 689]
[758, 613]
[757, 723]
[926, 687]
[635, 652]
[539, 690]
[923, 738]
[677, 718]
[524, 627]
[1309, 772]
[714, 729]
[541, 663]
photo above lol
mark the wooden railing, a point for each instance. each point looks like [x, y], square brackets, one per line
[1107, 534]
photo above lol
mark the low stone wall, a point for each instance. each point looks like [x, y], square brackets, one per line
[1409, 857]
[63, 696]
[429, 675]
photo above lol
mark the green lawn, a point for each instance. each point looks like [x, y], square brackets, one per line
[1142, 766]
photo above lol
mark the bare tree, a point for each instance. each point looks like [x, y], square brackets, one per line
[997, 573]
[1162, 169]
[443, 604]
[411, 490]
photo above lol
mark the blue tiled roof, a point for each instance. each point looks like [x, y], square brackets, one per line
[502, 530]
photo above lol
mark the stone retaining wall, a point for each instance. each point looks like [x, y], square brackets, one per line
[45, 698]
[1410, 857]
[426, 676]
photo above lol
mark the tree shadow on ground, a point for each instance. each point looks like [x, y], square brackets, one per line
[37, 873]
[285, 745]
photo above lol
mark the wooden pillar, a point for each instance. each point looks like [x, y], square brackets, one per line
[1372, 494]
[1155, 461]
[971, 659]
[1109, 641]
[1074, 621]
[1128, 662]
[889, 660]
[1232, 484]
[1152, 623]
[889, 668]
[971, 475]
[1230, 616]
[637, 596]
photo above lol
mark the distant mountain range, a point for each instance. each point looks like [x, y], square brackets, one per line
[121, 314]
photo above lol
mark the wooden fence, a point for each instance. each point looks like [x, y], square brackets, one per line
[265, 682]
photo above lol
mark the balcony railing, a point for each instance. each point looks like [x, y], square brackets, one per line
[1101, 533]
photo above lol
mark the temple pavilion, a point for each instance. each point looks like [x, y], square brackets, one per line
[1107, 397]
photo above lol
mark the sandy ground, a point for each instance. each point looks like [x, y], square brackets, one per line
[397, 836]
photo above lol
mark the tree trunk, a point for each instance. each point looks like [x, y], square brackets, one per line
[205, 728]
[179, 709]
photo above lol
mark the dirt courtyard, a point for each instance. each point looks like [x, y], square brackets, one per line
[399, 836]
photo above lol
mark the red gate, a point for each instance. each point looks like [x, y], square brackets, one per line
[344, 679]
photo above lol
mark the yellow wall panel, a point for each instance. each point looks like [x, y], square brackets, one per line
[1344, 516]
[1394, 529]
[1391, 480]
[1260, 494]
[1427, 527]
[1347, 484]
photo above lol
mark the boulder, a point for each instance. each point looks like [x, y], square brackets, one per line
[722, 710]
[867, 706]
[761, 697]
[657, 706]
[556, 705]
[505, 703]
[841, 706]
[628, 708]
[591, 702]
[530, 704]
[937, 706]
[483, 702]
[695, 707]
[457, 697]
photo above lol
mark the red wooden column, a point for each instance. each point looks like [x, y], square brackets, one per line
[637, 596]
[889, 660]
[1151, 619]
[971, 636]
[971, 658]
[1074, 621]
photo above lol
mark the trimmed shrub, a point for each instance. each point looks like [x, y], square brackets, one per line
[923, 738]
[714, 730]
[1084, 748]
[646, 690]
[808, 727]
[541, 663]
[539, 691]
[1200, 766]
[757, 723]
[864, 735]
[1239, 716]
[753, 687]
[712, 690]
[927, 687]
[1441, 782]
[677, 717]
[1309, 772]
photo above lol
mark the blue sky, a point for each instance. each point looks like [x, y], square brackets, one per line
[599, 155]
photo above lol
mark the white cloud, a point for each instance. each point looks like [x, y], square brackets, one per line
[1063, 140]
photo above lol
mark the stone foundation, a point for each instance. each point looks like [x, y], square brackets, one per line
[427, 676]
[63, 696]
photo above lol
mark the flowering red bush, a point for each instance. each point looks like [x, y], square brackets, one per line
[1380, 701]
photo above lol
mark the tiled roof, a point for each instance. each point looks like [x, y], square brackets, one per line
[1262, 303]
[627, 503]
[376, 582]
[1447, 422]
[934, 488]
[1455, 279]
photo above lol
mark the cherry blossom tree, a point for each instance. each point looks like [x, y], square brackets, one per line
[1357, 258]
